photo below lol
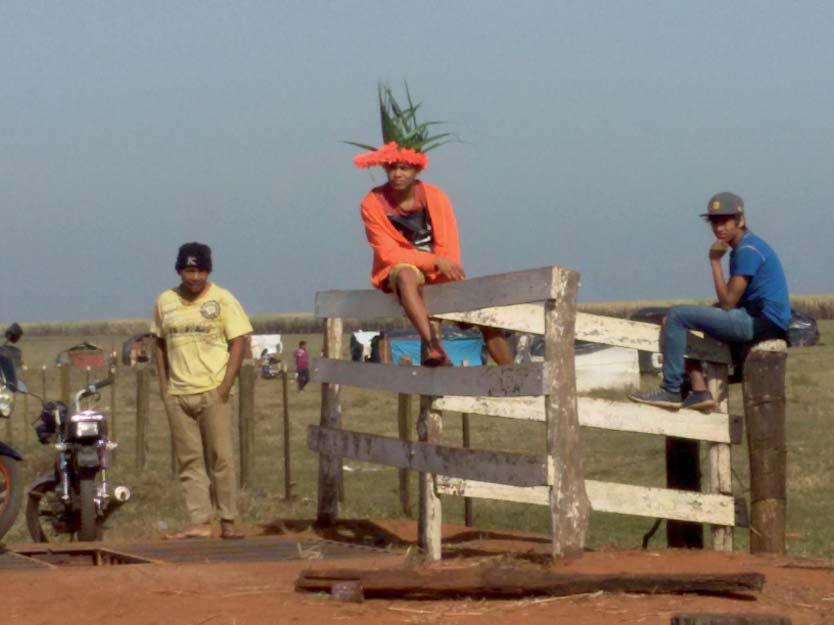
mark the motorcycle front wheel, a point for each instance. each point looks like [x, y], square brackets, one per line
[88, 517]
[11, 491]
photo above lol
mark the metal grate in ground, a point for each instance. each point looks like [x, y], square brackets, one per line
[261, 549]
[248, 550]
[11, 560]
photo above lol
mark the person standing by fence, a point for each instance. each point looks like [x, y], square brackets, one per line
[411, 226]
[753, 305]
[302, 365]
[200, 331]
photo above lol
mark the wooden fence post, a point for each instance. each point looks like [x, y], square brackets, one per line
[27, 418]
[142, 400]
[64, 372]
[569, 504]
[764, 412]
[287, 446]
[330, 467]
[112, 425]
[404, 430]
[246, 419]
[467, 443]
[720, 459]
[9, 430]
[429, 430]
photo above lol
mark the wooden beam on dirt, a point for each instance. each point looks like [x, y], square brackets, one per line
[729, 619]
[506, 582]
[529, 285]
[505, 381]
[493, 466]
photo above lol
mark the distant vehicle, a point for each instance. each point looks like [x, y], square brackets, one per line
[801, 331]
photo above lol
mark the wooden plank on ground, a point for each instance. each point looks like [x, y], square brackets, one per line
[605, 414]
[711, 618]
[593, 328]
[530, 285]
[645, 501]
[522, 581]
[493, 466]
[506, 381]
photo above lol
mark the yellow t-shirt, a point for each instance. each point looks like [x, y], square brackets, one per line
[197, 335]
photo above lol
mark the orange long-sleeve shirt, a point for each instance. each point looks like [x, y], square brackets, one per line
[390, 247]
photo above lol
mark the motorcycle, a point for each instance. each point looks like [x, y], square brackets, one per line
[73, 499]
[11, 486]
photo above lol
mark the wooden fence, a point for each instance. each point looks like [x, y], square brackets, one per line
[540, 301]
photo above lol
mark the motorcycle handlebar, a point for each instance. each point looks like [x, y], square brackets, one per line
[92, 389]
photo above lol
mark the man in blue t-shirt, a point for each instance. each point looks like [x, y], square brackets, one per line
[752, 305]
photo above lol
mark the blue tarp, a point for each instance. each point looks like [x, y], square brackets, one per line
[459, 349]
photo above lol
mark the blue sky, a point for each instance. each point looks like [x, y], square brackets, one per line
[594, 134]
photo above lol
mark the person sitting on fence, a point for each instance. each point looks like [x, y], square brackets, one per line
[200, 331]
[411, 226]
[752, 305]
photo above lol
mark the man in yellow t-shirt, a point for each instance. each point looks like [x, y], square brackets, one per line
[200, 331]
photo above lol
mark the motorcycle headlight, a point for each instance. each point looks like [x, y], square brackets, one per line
[6, 401]
[83, 427]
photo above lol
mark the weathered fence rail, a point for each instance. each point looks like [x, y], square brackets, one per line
[540, 301]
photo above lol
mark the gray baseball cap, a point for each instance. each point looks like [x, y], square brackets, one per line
[724, 203]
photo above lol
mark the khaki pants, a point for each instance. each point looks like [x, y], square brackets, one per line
[201, 428]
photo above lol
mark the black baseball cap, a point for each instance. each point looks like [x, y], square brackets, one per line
[724, 203]
[194, 255]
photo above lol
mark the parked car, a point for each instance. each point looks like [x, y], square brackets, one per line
[801, 331]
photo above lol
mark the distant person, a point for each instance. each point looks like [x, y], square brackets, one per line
[302, 365]
[200, 331]
[411, 227]
[9, 349]
[752, 305]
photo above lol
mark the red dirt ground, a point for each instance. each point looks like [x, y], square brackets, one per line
[255, 593]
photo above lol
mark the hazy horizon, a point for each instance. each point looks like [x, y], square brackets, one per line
[594, 133]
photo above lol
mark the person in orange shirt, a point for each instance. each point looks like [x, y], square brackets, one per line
[411, 226]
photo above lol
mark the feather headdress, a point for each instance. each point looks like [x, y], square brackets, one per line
[404, 139]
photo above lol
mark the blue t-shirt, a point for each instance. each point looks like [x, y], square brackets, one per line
[767, 291]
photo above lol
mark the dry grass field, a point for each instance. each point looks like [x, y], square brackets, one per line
[371, 491]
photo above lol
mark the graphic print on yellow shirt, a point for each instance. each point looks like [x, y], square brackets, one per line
[197, 335]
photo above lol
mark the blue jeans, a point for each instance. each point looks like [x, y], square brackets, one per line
[735, 326]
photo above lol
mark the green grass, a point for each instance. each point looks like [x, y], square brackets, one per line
[371, 490]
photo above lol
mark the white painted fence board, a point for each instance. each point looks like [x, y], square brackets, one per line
[493, 466]
[593, 328]
[610, 497]
[530, 285]
[604, 414]
[506, 381]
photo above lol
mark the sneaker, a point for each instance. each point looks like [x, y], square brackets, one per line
[698, 400]
[661, 398]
